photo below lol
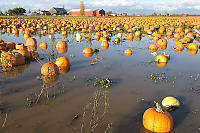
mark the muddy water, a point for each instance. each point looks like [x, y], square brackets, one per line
[70, 107]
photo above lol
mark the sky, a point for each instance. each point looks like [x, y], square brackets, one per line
[119, 6]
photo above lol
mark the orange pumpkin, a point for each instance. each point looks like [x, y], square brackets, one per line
[61, 50]
[193, 46]
[153, 48]
[104, 44]
[179, 46]
[162, 44]
[43, 46]
[62, 62]
[88, 54]
[87, 51]
[157, 120]
[103, 38]
[61, 44]
[138, 33]
[49, 69]
[104, 47]
[128, 52]
[192, 52]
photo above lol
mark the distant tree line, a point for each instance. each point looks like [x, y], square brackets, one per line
[14, 11]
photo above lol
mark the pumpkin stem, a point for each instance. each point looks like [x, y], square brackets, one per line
[158, 108]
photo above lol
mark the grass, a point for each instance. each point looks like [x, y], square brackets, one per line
[95, 112]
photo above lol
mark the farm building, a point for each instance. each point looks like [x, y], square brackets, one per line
[87, 12]
[44, 12]
[57, 11]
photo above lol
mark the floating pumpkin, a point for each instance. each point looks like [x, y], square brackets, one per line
[61, 45]
[43, 46]
[64, 70]
[96, 37]
[61, 50]
[177, 35]
[138, 33]
[128, 52]
[104, 43]
[170, 102]
[153, 48]
[49, 69]
[78, 37]
[62, 62]
[104, 47]
[116, 40]
[157, 120]
[31, 44]
[160, 58]
[186, 40]
[162, 44]
[88, 51]
[193, 46]
[102, 39]
[179, 46]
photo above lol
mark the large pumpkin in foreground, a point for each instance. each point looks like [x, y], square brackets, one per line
[157, 120]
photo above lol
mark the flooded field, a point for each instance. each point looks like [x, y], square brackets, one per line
[106, 91]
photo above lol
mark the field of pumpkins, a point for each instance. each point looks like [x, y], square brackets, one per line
[109, 74]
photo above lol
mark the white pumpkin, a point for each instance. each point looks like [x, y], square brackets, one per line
[170, 102]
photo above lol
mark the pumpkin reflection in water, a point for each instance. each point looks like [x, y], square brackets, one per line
[137, 38]
[192, 52]
[49, 79]
[14, 71]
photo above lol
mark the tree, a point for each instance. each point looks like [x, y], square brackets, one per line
[154, 14]
[109, 12]
[10, 11]
[1, 13]
[29, 11]
[18, 11]
[82, 8]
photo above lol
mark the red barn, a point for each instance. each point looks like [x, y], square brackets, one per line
[87, 12]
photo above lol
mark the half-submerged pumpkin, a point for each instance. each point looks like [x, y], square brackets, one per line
[49, 69]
